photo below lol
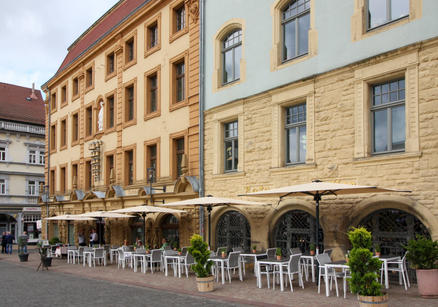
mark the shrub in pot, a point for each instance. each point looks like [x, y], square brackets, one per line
[54, 241]
[254, 249]
[423, 256]
[364, 268]
[278, 253]
[202, 267]
[22, 254]
[377, 250]
[312, 249]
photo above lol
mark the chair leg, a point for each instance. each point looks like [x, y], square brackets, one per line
[319, 282]
[407, 275]
[336, 284]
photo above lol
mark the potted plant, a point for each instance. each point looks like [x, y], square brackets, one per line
[22, 250]
[364, 268]
[423, 256]
[179, 252]
[254, 249]
[377, 250]
[54, 241]
[278, 253]
[223, 252]
[202, 267]
[312, 249]
[147, 248]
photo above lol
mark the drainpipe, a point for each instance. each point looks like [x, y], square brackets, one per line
[48, 166]
[201, 115]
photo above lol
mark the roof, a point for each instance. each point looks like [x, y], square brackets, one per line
[15, 106]
[102, 27]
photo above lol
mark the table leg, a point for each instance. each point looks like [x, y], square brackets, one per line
[281, 277]
[313, 269]
[135, 264]
[385, 266]
[327, 291]
[259, 283]
[222, 271]
[165, 266]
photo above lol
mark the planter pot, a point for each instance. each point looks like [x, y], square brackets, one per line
[23, 257]
[370, 301]
[427, 281]
[254, 251]
[205, 284]
[47, 261]
[278, 257]
[378, 254]
[312, 253]
[224, 255]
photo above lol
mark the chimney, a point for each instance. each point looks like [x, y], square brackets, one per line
[33, 96]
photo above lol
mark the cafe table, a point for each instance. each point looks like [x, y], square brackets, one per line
[273, 261]
[87, 255]
[309, 260]
[385, 261]
[342, 265]
[140, 256]
[251, 255]
[219, 261]
[176, 260]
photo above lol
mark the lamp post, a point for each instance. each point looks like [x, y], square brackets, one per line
[151, 178]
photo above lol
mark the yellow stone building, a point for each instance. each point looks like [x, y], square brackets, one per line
[122, 115]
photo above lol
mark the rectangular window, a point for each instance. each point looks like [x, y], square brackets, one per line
[52, 188]
[64, 94]
[88, 175]
[89, 77]
[388, 116]
[110, 63]
[152, 159]
[63, 183]
[129, 167]
[129, 49]
[295, 22]
[179, 155]
[2, 186]
[32, 156]
[75, 86]
[179, 81]
[53, 137]
[231, 146]
[32, 188]
[110, 112]
[295, 126]
[153, 35]
[64, 133]
[53, 101]
[41, 158]
[89, 121]
[74, 175]
[381, 12]
[2, 153]
[152, 93]
[109, 166]
[75, 127]
[129, 103]
[180, 17]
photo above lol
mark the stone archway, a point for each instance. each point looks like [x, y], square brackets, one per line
[233, 230]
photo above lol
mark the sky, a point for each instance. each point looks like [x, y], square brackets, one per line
[35, 35]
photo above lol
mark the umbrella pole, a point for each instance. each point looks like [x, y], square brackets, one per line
[209, 208]
[144, 228]
[317, 198]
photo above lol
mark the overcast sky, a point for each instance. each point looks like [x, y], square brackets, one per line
[35, 35]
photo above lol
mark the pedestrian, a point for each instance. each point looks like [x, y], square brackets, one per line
[81, 239]
[93, 237]
[3, 242]
[9, 242]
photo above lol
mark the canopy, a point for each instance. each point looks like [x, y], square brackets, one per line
[209, 202]
[105, 214]
[318, 188]
[70, 217]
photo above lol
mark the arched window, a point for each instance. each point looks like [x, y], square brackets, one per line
[233, 230]
[295, 24]
[296, 228]
[169, 228]
[231, 55]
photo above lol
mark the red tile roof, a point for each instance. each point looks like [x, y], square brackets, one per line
[108, 22]
[14, 105]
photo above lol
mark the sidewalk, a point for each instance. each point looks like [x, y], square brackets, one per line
[244, 292]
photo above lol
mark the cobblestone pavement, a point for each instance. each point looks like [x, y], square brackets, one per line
[22, 286]
[138, 288]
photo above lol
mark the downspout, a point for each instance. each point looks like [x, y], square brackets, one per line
[201, 114]
[48, 166]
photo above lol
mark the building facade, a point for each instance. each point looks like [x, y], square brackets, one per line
[122, 121]
[341, 91]
[21, 159]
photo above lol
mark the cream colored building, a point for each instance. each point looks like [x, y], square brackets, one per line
[125, 100]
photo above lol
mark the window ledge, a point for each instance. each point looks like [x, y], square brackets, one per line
[89, 88]
[74, 97]
[110, 76]
[152, 50]
[390, 157]
[130, 123]
[152, 115]
[292, 167]
[109, 130]
[229, 174]
[63, 147]
[75, 143]
[129, 64]
[177, 105]
[178, 34]
[63, 104]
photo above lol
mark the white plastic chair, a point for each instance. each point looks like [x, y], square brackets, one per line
[323, 259]
[99, 255]
[293, 267]
[123, 259]
[400, 267]
[233, 263]
[187, 262]
[156, 257]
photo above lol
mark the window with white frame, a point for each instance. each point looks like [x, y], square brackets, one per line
[2, 186]
[41, 158]
[232, 53]
[295, 24]
[231, 146]
[381, 12]
[35, 156]
[295, 125]
[32, 156]
[388, 116]
[2, 153]
[32, 187]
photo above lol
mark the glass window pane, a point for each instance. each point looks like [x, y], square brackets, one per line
[236, 154]
[380, 131]
[228, 155]
[377, 100]
[237, 56]
[398, 127]
[376, 13]
[289, 40]
[228, 66]
[385, 98]
[291, 145]
[303, 143]
[401, 95]
[399, 8]
[303, 34]
[393, 96]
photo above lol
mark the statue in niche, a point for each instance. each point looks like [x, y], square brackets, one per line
[100, 117]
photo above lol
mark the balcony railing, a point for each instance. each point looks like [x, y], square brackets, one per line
[22, 127]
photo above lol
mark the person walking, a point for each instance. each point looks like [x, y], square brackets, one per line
[3, 242]
[9, 242]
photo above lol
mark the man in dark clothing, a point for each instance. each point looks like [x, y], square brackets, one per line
[3, 242]
[9, 242]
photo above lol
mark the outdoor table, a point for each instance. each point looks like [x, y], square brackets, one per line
[113, 252]
[129, 254]
[87, 254]
[335, 265]
[385, 261]
[306, 259]
[178, 259]
[219, 260]
[280, 263]
[252, 255]
[71, 254]
[135, 257]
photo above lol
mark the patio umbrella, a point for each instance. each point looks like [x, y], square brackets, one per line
[144, 210]
[209, 202]
[68, 218]
[103, 214]
[317, 189]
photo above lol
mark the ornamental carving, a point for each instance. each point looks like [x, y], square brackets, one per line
[193, 10]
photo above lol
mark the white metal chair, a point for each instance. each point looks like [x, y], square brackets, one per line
[400, 267]
[323, 259]
[71, 254]
[293, 267]
[233, 263]
[187, 262]
[156, 257]
[99, 255]
[123, 258]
